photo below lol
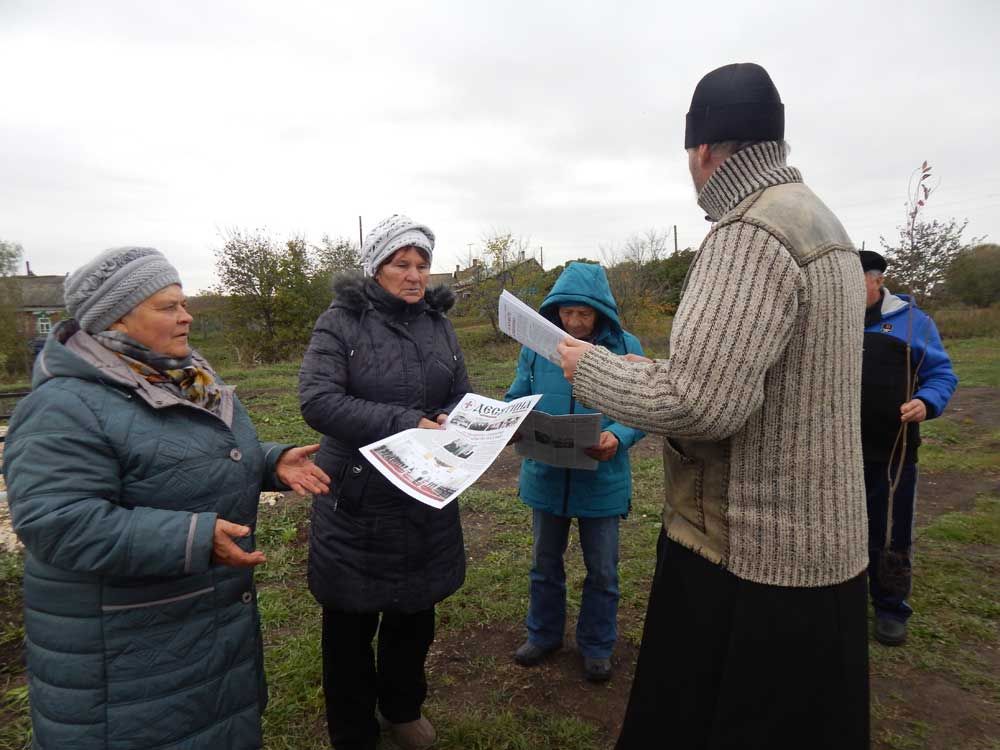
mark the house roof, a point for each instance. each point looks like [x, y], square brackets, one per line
[41, 291]
[440, 278]
[470, 277]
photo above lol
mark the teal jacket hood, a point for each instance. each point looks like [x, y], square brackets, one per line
[583, 284]
[56, 361]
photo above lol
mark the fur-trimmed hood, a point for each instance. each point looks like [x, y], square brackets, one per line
[353, 291]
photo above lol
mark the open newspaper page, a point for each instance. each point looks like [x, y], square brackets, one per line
[560, 440]
[522, 323]
[436, 466]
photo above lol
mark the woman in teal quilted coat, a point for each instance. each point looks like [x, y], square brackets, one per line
[133, 479]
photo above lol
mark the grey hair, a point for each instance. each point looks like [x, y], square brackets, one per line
[726, 149]
[874, 273]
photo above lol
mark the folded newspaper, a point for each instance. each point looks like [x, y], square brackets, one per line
[560, 439]
[522, 323]
[436, 466]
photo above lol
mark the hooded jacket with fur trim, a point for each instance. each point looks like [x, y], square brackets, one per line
[375, 365]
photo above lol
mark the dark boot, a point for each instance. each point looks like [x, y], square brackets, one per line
[890, 632]
[530, 655]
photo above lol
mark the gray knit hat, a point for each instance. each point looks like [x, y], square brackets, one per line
[100, 292]
[390, 235]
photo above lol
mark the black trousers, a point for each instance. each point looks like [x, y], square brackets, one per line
[890, 601]
[355, 680]
[726, 664]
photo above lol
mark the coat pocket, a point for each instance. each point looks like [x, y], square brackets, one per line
[684, 483]
[157, 630]
[352, 485]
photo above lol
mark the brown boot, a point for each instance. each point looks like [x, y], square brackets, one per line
[413, 735]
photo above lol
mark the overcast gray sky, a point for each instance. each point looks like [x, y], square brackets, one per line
[163, 124]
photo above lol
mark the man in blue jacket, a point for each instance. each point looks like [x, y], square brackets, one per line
[906, 378]
[582, 304]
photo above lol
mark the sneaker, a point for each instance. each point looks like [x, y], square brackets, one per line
[413, 735]
[890, 632]
[597, 670]
[529, 654]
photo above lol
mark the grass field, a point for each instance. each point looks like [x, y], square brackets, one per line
[940, 691]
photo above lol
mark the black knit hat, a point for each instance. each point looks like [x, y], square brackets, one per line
[736, 102]
[872, 261]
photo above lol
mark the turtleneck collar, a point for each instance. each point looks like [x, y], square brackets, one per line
[744, 173]
[390, 304]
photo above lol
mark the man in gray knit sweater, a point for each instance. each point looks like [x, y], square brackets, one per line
[756, 632]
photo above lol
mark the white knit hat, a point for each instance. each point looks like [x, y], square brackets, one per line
[390, 235]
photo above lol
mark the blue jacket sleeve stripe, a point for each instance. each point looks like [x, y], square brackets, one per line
[936, 378]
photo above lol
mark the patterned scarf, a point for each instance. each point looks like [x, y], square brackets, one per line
[180, 376]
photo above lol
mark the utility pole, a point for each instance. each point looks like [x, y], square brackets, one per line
[675, 239]
[541, 257]
[361, 236]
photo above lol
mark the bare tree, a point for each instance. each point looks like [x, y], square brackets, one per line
[631, 270]
[501, 267]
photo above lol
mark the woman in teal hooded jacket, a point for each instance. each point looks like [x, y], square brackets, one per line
[582, 304]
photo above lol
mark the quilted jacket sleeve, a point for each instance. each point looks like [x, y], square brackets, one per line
[272, 454]
[461, 385]
[63, 480]
[328, 406]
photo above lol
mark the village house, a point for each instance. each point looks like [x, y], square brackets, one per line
[462, 280]
[39, 304]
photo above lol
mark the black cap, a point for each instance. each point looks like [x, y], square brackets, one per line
[872, 261]
[737, 102]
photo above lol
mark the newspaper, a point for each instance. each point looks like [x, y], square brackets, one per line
[436, 466]
[521, 322]
[560, 440]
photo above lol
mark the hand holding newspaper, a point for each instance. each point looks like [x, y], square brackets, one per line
[560, 439]
[436, 466]
[522, 323]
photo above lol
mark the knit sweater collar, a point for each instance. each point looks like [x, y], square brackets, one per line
[744, 173]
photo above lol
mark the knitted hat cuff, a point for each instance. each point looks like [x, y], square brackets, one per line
[412, 238]
[745, 121]
[116, 281]
[163, 277]
[390, 235]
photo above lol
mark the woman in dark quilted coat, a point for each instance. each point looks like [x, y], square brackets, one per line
[134, 475]
[383, 358]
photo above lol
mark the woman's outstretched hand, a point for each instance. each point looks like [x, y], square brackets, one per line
[295, 470]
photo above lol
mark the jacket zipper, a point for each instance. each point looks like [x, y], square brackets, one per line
[572, 410]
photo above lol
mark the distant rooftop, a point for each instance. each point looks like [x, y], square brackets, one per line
[41, 291]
